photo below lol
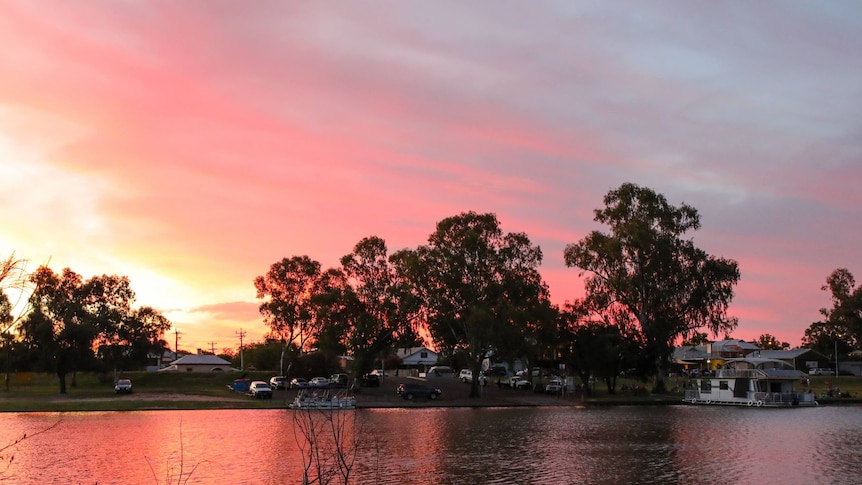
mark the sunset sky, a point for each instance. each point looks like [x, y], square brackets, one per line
[189, 145]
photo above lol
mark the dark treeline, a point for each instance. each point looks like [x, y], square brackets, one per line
[473, 289]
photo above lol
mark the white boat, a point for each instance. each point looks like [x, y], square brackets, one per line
[752, 382]
[322, 399]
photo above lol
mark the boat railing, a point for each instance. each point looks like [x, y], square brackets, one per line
[734, 373]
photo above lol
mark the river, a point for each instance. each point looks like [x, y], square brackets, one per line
[553, 445]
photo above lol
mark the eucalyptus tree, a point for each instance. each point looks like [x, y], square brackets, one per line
[58, 328]
[477, 286]
[385, 308]
[287, 290]
[670, 287]
[846, 308]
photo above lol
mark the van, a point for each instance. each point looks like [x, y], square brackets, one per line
[440, 371]
[466, 375]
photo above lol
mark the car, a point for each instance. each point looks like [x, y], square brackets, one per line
[440, 371]
[821, 372]
[298, 383]
[318, 382]
[260, 390]
[497, 370]
[379, 372]
[554, 386]
[278, 382]
[371, 380]
[412, 391]
[466, 375]
[515, 382]
[123, 386]
[338, 380]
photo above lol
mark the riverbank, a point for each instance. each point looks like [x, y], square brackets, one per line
[38, 393]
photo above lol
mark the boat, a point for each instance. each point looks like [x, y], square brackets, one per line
[322, 399]
[751, 382]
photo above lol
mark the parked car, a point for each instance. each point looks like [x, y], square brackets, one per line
[371, 380]
[440, 371]
[515, 382]
[412, 391]
[260, 390]
[466, 375]
[497, 370]
[298, 383]
[338, 380]
[278, 382]
[123, 386]
[821, 372]
[554, 386]
[318, 382]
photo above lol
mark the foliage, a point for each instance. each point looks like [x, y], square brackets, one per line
[670, 287]
[842, 324]
[601, 345]
[384, 309]
[769, 342]
[480, 289]
[697, 338]
[70, 317]
[287, 289]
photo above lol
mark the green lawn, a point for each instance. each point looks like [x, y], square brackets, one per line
[92, 392]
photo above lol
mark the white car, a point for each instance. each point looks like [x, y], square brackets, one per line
[318, 382]
[821, 372]
[554, 386]
[466, 375]
[260, 390]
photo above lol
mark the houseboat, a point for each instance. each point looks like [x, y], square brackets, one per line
[322, 399]
[752, 382]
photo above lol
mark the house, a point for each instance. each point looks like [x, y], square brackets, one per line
[800, 359]
[417, 357]
[199, 363]
[730, 349]
[690, 357]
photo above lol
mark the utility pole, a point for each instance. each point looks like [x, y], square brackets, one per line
[241, 334]
[212, 347]
[176, 343]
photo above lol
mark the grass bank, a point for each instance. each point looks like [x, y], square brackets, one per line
[33, 392]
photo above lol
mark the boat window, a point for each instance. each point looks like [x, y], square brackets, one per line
[723, 385]
[705, 385]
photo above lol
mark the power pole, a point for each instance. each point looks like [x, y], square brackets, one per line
[212, 347]
[176, 343]
[241, 334]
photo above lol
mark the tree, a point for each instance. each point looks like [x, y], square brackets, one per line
[769, 342]
[14, 278]
[476, 285]
[698, 338]
[287, 289]
[846, 308]
[385, 309]
[58, 327]
[671, 288]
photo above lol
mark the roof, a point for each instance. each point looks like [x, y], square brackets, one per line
[781, 354]
[200, 359]
[733, 345]
[689, 353]
[404, 353]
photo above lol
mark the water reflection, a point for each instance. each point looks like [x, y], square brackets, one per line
[671, 444]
